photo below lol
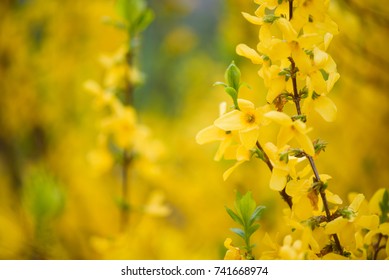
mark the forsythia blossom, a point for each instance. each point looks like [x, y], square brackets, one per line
[294, 36]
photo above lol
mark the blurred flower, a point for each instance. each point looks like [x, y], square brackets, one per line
[156, 205]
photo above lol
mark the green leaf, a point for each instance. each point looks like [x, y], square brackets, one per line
[234, 95]
[247, 213]
[384, 206]
[245, 207]
[319, 145]
[231, 92]
[258, 153]
[303, 93]
[232, 76]
[256, 214]
[130, 10]
[145, 19]
[252, 229]
[220, 84]
[239, 232]
[43, 195]
[245, 84]
[234, 216]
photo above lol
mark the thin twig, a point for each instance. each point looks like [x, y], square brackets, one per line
[296, 100]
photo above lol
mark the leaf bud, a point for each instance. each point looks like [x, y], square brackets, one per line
[232, 76]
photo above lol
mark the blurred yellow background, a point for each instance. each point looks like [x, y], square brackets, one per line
[55, 203]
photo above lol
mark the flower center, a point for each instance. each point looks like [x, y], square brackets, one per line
[250, 118]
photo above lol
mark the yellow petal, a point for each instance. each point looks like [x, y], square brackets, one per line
[284, 136]
[333, 256]
[384, 228]
[302, 60]
[229, 171]
[245, 104]
[249, 137]
[317, 82]
[277, 86]
[265, 36]
[335, 226]
[374, 203]
[356, 203]
[333, 77]
[279, 117]
[302, 207]
[230, 152]
[93, 87]
[287, 29]
[233, 253]
[278, 179]
[228, 243]
[272, 151]
[369, 236]
[319, 57]
[326, 108]
[330, 66]
[333, 198]
[243, 154]
[307, 40]
[327, 40]
[252, 19]
[305, 143]
[294, 188]
[368, 221]
[224, 144]
[244, 50]
[222, 108]
[210, 134]
[231, 121]
[278, 50]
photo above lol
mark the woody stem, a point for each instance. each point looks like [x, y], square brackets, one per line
[128, 100]
[296, 100]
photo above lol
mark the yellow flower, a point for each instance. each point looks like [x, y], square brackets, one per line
[156, 205]
[323, 105]
[241, 154]
[246, 51]
[101, 159]
[291, 129]
[122, 126]
[246, 121]
[374, 203]
[346, 228]
[233, 253]
[281, 168]
[275, 83]
[102, 98]
[292, 250]
[213, 133]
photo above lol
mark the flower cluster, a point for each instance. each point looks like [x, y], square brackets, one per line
[122, 139]
[294, 36]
